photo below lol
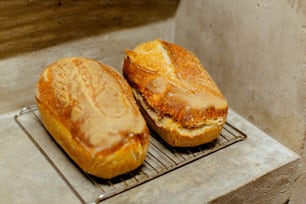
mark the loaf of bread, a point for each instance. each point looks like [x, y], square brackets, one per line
[90, 111]
[176, 95]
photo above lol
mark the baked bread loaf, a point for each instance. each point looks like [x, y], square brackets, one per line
[90, 111]
[176, 95]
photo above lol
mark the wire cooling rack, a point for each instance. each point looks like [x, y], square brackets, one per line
[160, 160]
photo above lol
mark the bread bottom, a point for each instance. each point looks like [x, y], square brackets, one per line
[127, 157]
[176, 135]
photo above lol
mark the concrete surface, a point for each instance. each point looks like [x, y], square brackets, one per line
[26, 177]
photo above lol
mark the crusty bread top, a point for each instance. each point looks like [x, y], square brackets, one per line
[92, 100]
[174, 83]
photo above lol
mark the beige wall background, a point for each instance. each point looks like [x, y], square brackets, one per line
[254, 49]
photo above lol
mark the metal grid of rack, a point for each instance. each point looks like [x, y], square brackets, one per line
[160, 160]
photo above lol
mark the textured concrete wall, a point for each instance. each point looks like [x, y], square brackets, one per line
[29, 25]
[35, 33]
[299, 190]
[272, 188]
[256, 51]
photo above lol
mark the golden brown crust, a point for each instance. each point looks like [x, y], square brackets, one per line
[173, 83]
[174, 133]
[90, 111]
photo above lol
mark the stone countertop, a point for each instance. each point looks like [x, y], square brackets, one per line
[27, 177]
